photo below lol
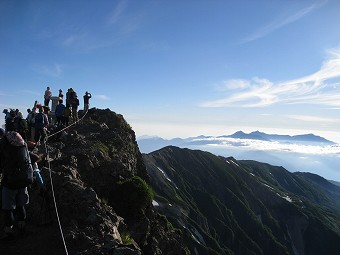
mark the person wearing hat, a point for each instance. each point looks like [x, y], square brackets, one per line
[87, 97]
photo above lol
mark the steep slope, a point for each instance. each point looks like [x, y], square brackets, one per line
[102, 194]
[226, 206]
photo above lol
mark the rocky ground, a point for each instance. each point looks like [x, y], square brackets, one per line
[88, 163]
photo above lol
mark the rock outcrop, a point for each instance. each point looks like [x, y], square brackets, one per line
[102, 193]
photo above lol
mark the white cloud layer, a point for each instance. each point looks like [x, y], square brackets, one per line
[313, 118]
[258, 145]
[317, 88]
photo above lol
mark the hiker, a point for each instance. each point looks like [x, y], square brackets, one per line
[47, 110]
[67, 115]
[47, 96]
[20, 125]
[40, 124]
[5, 111]
[59, 112]
[74, 101]
[31, 122]
[9, 122]
[29, 125]
[61, 94]
[87, 97]
[68, 98]
[14, 158]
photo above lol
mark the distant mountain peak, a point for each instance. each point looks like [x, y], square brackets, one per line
[253, 135]
[258, 135]
[154, 143]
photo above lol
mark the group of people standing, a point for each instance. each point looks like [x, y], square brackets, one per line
[65, 113]
[31, 128]
[16, 157]
[34, 126]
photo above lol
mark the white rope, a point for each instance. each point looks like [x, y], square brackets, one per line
[51, 180]
[54, 200]
[67, 126]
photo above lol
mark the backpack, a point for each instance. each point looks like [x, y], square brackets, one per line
[18, 171]
[73, 95]
[39, 120]
[17, 124]
[10, 125]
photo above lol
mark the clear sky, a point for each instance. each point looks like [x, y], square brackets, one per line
[183, 67]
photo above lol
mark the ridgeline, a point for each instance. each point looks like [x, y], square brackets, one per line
[102, 194]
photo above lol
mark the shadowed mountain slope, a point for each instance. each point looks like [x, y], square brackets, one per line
[225, 206]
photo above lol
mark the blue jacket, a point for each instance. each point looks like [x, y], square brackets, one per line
[59, 110]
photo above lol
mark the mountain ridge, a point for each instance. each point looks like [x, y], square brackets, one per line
[304, 153]
[227, 206]
[102, 192]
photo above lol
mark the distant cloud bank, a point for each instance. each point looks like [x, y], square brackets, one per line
[312, 118]
[258, 145]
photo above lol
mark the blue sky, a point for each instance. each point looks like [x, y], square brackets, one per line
[180, 68]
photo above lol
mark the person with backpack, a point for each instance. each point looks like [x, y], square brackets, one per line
[31, 122]
[40, 125]
[59, 112]
[17, 175]
[20, 125]
[68, 98]
[67, 115]
[74, 105]
[9, 122]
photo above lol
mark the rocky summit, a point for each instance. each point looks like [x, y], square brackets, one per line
[95, 173]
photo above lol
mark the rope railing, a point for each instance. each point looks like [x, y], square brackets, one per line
[54, 200]
[59, 131]
[51, 179]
